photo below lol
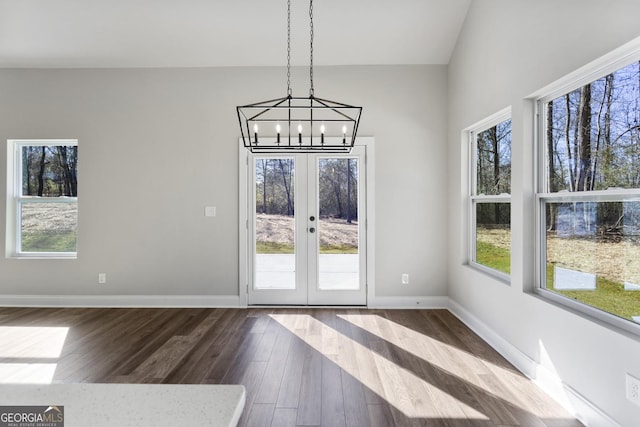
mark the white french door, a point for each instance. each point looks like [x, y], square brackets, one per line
[306, 229]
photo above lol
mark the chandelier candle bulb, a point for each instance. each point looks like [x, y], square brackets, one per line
[299, 133]
[344, 134]
[322, 129]
[278, 129]
[255, 132]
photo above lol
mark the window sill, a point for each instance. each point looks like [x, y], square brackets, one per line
[44, 256]
[592, 314]
[495, 274]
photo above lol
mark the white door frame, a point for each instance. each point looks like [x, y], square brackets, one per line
[244, 255]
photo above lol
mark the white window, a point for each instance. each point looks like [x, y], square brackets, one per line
[589, 192]
[490, 194]
[42, 198]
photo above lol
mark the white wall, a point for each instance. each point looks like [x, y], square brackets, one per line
[157, 145]
[506, 51]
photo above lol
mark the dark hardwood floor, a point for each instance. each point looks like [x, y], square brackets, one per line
[306, 367]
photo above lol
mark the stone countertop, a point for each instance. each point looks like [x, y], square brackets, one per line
[135, 405]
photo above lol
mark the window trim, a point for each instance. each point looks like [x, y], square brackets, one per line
[474, 198]
[15, 199]
[611, 62]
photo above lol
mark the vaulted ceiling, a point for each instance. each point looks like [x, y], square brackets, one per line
[203, 33]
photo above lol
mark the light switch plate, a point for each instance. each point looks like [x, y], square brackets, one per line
[209, 211]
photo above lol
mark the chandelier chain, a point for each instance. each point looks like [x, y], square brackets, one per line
[289, 47]
[311, 48]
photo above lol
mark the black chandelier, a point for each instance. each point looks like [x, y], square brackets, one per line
[299, 124]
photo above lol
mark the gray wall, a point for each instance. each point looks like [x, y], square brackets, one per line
[157, 145]
[506, 51]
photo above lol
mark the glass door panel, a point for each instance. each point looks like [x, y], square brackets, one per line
[338, 231]
[306, 228]
[336, 254]
[275, 229]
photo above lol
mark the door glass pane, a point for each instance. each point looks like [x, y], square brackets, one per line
[338, 259]
[275, 224]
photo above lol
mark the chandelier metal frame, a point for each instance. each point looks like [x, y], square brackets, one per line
[299, 124]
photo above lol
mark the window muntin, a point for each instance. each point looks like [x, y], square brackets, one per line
[589, 195]
[42, 208]
[490, 199]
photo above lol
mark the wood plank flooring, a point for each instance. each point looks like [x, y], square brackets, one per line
[300, 367]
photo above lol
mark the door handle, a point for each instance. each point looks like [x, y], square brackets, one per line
[312, 230]
[312, 218]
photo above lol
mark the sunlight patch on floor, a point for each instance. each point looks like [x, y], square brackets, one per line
[408, 393]
[27, 373]
[29, 354]
[462, 364]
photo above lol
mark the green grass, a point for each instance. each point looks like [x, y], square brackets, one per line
[287, 248]
[263, 247]
[44, 241]
[608, 296]
[336, 249]
[493, 257]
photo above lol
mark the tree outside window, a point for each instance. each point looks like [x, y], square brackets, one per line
[43, 211]
[491, 194]
[589, 203]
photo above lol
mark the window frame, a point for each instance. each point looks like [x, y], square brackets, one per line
[15, 199]
[476, 199]
[615, 60]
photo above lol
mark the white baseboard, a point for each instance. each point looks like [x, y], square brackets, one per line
[520, 360]
[409, 302]
[118, 301]
[549, 382]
